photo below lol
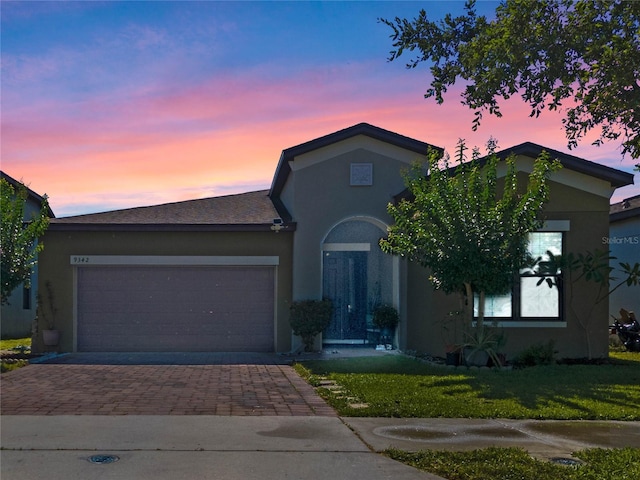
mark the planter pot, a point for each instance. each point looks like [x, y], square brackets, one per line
[477, 358]
[51, 337]
[453, 358]
[387, 335]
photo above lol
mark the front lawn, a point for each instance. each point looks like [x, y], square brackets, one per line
[14, 346]
[400, 386]
[10, 344]
[515, 463]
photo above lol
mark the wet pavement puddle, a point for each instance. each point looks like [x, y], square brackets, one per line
[425, 434]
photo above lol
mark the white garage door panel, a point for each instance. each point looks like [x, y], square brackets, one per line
[175, 308]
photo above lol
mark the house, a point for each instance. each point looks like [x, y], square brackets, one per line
[623, 242]
[18, 315]
[219, 274]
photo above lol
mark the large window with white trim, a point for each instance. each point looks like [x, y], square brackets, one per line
[537, 292]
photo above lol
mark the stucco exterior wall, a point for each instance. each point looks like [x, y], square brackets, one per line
[55, 265]
[584, 329]
[319, 196]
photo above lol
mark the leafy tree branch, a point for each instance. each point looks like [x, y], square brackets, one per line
[578, 56]
[18, 238]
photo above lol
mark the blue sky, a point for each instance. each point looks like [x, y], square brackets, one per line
[120, 104]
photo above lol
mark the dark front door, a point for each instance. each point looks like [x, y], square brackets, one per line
[345, 284]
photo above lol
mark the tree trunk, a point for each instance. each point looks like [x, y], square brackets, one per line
[481, 302]
[469, 303]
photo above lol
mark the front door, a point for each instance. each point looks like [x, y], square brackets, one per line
[345, 284]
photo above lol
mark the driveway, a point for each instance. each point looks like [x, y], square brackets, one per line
[157, 421]
[78, 386]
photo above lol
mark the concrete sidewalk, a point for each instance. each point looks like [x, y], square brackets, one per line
[271, 447]
[543, 439]
[190, 447]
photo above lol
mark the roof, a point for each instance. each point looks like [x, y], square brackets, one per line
[617, 178]
[377, 133]
[245, 211]
[33, 195]
[627, 208]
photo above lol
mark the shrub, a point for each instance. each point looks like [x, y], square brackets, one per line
[308, 318]
[385, 316]
[537, 354]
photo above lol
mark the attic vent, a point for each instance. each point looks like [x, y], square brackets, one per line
[361, 174]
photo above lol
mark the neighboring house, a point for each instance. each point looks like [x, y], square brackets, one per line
[18, 315]
[624, 244]
[219, 274]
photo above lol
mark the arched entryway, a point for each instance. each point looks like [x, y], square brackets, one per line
[356, 276]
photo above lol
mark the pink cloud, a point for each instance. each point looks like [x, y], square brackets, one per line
[160, 143]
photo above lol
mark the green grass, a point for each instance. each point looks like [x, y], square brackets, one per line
[399, 386]
[15, 342]
[515, 463]
[11, 344]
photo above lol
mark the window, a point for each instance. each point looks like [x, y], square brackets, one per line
[537, 293]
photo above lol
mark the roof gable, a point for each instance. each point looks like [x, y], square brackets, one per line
[617, 178]
[289, 154]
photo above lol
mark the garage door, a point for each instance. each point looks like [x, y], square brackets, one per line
[175, 308]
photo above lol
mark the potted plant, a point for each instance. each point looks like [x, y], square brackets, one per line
[482, 345]
[386, 318]
[308, 318]
[50, 335]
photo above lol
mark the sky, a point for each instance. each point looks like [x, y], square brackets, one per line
[109, 105]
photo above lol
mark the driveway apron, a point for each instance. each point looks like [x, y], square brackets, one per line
[226, 389]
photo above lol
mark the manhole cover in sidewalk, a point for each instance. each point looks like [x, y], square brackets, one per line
[103, 459]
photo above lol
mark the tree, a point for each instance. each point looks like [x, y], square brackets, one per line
[471, 235]
[19, 245]
[580, 56]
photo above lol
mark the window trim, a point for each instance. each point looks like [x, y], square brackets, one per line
[516, 320]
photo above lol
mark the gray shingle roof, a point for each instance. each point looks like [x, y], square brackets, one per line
[252, 208]
[629, 207]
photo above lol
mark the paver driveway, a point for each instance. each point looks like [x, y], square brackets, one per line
[42, 389]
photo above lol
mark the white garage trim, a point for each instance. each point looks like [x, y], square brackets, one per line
[88, 260]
